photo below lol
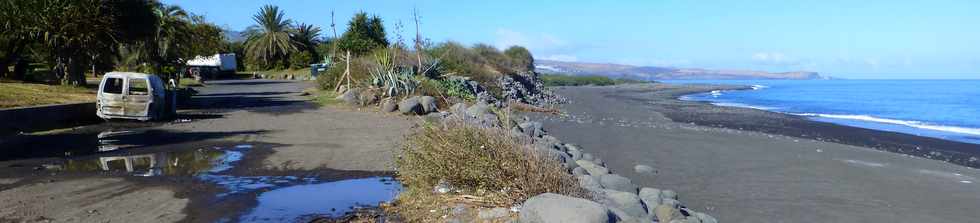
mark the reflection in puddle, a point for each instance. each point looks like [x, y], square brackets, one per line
[177, 163]
[280, 198]
[303, 203]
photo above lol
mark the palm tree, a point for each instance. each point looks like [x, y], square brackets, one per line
[269, 39]
[307, 36]
[172, 31]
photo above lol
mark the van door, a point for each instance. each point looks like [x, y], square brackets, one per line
[111, 96]
[137, 98]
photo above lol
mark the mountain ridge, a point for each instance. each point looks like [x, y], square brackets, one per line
[663, 73]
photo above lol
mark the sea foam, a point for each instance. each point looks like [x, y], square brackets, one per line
[914, 124]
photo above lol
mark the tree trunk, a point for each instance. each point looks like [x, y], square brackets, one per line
[4, 63]
[20, 69]
[75, 74]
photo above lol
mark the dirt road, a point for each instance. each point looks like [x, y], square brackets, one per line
[238, 147]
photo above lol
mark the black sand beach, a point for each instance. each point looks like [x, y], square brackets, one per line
[746, 165]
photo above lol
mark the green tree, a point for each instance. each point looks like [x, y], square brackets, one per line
[172, 34]
[269, 40]
[72, 31]
[363, 35]
[307, 37]
[520, 57]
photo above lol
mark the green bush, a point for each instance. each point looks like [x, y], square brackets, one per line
[520, 57]
[300, 60]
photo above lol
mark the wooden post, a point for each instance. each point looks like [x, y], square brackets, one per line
[418, 40]
[347, 70]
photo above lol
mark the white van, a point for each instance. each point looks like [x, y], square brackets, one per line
[128, 95]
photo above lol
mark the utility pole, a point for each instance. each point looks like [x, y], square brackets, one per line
[418, 39]
[335, 39]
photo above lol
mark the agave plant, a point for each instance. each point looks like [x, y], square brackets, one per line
[392, 79]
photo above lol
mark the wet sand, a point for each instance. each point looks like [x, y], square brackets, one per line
[267, 136]
[777, 168]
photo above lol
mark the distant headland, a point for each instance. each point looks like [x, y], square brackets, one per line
[662, 73]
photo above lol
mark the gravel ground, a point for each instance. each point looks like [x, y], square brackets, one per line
[762, 175]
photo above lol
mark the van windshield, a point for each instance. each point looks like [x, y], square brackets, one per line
[113, 85]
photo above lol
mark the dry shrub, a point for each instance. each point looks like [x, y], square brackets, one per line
[524, 107]
[490, 162]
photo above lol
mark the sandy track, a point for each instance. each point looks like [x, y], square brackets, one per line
[329, 143]
[91, 200]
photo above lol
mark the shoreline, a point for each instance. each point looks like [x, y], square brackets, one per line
[912, 127]
[956, 152]
[714, 156]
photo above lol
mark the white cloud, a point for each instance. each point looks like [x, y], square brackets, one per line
[774, 58]
[561, 57]
[534, 42]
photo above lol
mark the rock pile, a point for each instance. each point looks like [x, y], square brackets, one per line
[527, 87]
[616, 198]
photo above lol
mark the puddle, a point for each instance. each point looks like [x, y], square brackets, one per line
[175, 163]
[302, 203]
[279, 198]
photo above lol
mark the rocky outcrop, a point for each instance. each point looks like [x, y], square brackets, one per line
[527, 87]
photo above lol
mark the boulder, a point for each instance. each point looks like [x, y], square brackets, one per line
[458, 109]
[668, 194]
[666, 213]
[494, 213]
[617, 182]
[575, 154]
[626, 201]
[589, 183]
[551, 207]
[579, 171]
[366, 96]
[650, 197]
[428, 104]
[389, 106]
[622, 216]
[350, 97]
[574, 147]
[643, 169]
[670, 202]
[477, 110]
[592, 168]
[410, 106]
[588, 156]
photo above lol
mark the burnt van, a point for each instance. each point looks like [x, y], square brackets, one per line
[137, 96]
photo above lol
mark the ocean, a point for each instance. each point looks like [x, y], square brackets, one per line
[946, 109]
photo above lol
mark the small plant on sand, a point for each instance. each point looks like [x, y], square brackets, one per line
[485, 162]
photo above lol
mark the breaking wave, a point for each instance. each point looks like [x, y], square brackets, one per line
[914, 124]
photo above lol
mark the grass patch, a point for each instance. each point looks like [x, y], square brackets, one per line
[323, 97]
[189, 82]
[15, 94]
[300, 74]
[575, 80]
[489, 166]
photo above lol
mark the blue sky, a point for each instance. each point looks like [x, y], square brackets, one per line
[851, 39]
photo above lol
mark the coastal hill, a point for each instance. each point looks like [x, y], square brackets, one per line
[662, 73]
